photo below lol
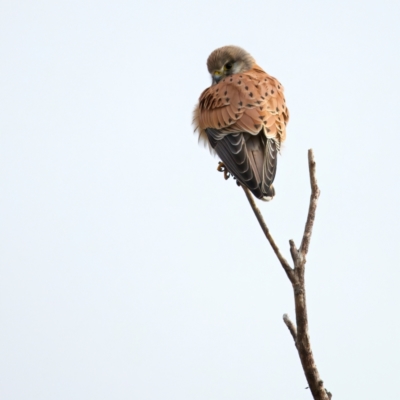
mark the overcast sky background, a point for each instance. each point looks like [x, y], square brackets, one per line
[129, 268]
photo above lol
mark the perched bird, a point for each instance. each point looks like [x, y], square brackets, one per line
[242, 116]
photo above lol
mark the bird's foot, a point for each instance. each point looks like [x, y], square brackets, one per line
[221, 168]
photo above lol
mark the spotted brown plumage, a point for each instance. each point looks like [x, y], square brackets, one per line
[243, 117]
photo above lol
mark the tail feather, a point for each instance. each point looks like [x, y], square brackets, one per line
[251, 159]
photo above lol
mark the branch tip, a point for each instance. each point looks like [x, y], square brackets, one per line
[294, 252]
[290, 326]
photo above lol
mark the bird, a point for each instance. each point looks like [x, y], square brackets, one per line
[242, 118]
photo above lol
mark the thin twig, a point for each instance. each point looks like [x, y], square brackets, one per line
[313, 205]
[257, 213]
[291, 327]
[294, 252]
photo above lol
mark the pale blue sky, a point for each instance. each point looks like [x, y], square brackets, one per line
[129, 268]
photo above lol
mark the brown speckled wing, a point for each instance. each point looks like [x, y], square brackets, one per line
[243, 118]
[245, 102]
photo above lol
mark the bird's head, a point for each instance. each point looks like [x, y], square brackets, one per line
[228, 60]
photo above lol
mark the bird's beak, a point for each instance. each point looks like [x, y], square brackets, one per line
[216, 77]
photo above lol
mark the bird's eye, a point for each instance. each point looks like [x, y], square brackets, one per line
[228, 66]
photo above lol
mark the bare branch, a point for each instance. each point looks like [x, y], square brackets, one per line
[303, 339]
[296, 277]
[257, 212]
[291, 327]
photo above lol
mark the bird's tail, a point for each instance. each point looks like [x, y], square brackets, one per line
[269, 194]
[263, 156]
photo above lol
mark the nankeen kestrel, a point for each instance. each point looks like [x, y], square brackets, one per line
[242, 116]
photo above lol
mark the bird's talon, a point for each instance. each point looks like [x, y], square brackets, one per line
[221, 168]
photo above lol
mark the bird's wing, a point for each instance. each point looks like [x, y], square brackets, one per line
[244, 120]
[244, 103]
